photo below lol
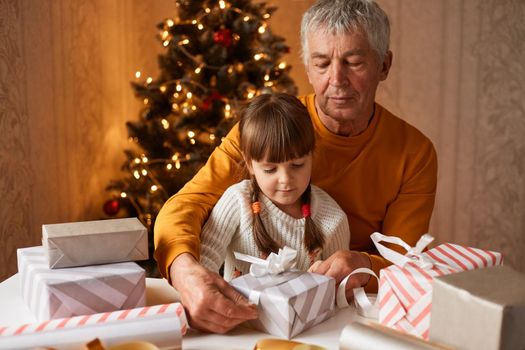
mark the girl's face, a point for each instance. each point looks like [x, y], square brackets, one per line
[283, 183]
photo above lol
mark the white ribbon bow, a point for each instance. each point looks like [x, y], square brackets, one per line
[274, 264]
[413, 254]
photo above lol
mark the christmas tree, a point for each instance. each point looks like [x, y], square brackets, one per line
[218, 55]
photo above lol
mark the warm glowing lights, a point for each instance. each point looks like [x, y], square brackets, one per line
[137, 160]
[165, 124]
[227, 110]
[258, 56]
[184, 42]
[246, 18]
[200, 26]
[198, 70]
[266, 77]
[222, 4]
[144, 172]
[138, 74]
[154, 188]
[170, 23]
[177, 165]
[207, 10]
[266, 16]
[123, 194]
[191, 134]
[165, 35]
[193, 107]
[169, 166]
[175, 156]
[144, 159]
[162, 88]
[166, 43]
[136, 174]
[251, 94]
[212, 137]
[192, 141]
[194, 21]
[189, 95]
[149, 80]
[282, 65]
[178, 88]
[146, 101]
[262, 29]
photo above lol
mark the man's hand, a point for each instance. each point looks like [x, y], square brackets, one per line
[340, 264]
[211, 303]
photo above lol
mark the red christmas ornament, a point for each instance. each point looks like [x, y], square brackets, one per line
[207, 102]
[112, 207]
[223, 36]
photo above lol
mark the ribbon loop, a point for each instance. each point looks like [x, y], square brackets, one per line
[414, 254]
[274, 264]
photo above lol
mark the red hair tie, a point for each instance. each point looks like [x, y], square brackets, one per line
[256, 207]
[305, 208]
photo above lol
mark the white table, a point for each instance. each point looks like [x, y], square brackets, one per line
[158, 291]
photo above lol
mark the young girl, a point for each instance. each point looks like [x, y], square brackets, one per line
[278, 206]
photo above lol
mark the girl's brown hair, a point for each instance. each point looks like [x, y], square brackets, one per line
[277, 128]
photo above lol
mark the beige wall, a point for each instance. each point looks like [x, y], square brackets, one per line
[65, 68]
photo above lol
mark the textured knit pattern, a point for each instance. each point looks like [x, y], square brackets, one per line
[229, 229]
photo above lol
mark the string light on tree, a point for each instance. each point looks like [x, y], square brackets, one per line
[217, 55]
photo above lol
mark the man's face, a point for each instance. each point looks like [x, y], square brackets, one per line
[344, 71]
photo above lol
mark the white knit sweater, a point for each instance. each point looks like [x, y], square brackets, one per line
[229, 229]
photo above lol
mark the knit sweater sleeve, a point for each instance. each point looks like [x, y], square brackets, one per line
[220, 228]
[331, 221]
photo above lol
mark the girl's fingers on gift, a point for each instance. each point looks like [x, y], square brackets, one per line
[315, 266]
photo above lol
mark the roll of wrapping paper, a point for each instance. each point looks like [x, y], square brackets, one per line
[373, 336]
[162, 325]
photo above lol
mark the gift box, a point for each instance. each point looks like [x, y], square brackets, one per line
[79, 290]
[488, 302]
[290, 302]
[162, 325]
[405, 288]
[95, 242]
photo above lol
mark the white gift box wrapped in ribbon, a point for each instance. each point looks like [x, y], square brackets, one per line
[76, 291]
[289, 301]
[405, 288]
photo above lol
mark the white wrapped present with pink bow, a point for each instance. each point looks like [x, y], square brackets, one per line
[405, 288]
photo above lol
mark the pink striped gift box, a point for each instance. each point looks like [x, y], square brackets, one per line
[405, 292]
[162, 325]
[58, 293]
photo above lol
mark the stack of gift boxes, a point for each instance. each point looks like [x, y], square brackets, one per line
[85, 268]
[83, 283]
[453, 295]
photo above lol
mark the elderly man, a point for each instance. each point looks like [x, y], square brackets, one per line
[380, 170]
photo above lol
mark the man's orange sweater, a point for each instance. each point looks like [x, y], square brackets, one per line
[384, 179]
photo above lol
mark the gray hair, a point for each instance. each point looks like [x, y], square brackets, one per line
[347, 16]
